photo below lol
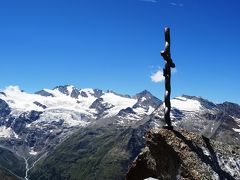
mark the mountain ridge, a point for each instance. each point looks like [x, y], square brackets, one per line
[34, 125]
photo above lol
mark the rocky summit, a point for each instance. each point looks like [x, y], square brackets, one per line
[180, 154]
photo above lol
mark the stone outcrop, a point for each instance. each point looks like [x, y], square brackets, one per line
[184, 155]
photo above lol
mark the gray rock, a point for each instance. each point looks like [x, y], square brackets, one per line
[83, 94]
[4, 108]
[126, 112]
[63, 89]
[40, 105]
[184, 155]
[75, 93]
[44, 93]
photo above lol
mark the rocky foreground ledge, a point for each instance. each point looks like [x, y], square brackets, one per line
[180, 154]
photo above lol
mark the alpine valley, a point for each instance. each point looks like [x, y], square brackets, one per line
[70, 133]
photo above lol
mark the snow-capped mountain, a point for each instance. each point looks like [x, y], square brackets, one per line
[49, 115]
[218, 121]
[32, 125]
[106, 149]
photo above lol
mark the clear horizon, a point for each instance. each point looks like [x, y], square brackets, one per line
[115, 45]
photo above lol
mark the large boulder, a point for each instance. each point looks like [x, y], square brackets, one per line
[184, 155]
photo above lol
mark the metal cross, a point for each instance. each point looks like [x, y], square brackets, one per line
[166, 54]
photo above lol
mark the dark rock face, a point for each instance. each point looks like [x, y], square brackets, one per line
[98, 93]
[126, 112]
[184, 155]
[18, 124]
[75, 93]
[37, 138]
[97, 104]
[40, 105]
[3, 93]
[230, 108]
[158, 157]
[101, 107]
[137, 141]
[44, 93]
[4, 108]
[63, 89]
[83, 94]
[177, 114]
[146, 99]
[30, 117]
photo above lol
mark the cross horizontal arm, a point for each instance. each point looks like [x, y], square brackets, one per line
[168, 58]
[166, 54]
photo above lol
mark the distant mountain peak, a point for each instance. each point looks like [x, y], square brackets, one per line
[146, 100]
[40, 121]
[68, 90]
[143, 93]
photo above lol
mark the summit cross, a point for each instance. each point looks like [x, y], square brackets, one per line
[166, 54]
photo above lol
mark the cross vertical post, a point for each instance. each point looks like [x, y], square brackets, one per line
[166, 54]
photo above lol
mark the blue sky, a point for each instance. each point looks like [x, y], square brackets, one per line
[115, 44]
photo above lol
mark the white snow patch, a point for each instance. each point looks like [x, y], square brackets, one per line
[215, 176]
[132, 117]
[21, 102]
[88, 91]
[118, 102]
[140, 110]
[70, 117]
[7, 133]
[87, 101]
[150, 110]
[32, 152]
[143, 99]
[69, 109]
[70, 89]
[206, 151]
[150, 178]
[121, 122]
[236, 130]
[185, 104]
